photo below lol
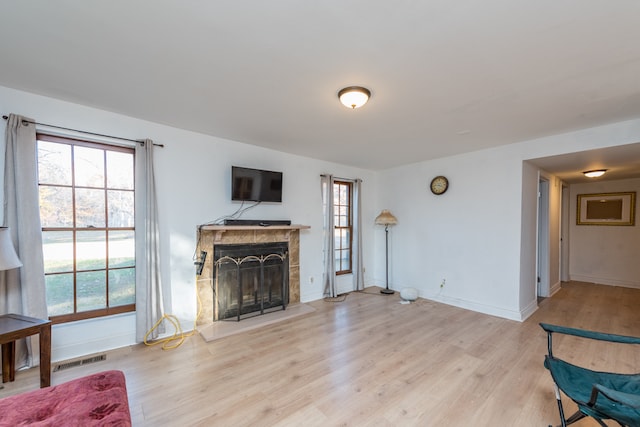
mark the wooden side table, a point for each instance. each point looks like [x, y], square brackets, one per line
[16, 326]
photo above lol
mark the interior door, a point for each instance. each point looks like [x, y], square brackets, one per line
[564, 235]
[543, 239]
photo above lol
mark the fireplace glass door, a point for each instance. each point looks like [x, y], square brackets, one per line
[250, 279]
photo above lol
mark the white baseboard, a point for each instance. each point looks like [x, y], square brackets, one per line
[528, 310]
[606, 281]
[461, 303]
[483, 308]
[555, 288]
[311, 296]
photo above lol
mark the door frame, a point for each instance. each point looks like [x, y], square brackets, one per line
[542, 241]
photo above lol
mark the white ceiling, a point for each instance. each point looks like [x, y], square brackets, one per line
[446, 76]
[620, 162]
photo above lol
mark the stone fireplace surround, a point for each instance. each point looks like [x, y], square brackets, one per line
[211, 235]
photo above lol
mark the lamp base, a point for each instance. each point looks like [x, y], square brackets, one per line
[387, 291]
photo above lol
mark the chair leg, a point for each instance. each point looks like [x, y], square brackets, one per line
[560, 408]
[573, 418]
[577, 417]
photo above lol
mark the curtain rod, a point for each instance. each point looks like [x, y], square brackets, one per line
[139, 141]
[342, 179]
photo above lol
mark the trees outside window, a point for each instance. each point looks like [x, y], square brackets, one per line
[87, 215]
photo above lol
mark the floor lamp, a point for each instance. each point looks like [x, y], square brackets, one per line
[386, 218]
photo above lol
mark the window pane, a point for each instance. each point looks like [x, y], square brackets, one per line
[89, 167]
[345, 260]
[122, 249]
[54, 163]
[59, 290]
[344, 211]
[122, 287]
[90, 208]
[120, 208]
[337, 238]
[342, 260]
[91, 248]
[336, 194]
[119, 170]
[57, 251]
[343, 219]
[346, 239]
[91, 290]
[56, 206]
[343, 195]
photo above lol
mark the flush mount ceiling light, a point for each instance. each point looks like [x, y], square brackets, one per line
[354, 96]
[594, 173]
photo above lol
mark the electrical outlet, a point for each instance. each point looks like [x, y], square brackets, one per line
[443, 283]
[310, 279]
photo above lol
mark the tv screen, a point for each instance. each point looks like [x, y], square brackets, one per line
[255, 185]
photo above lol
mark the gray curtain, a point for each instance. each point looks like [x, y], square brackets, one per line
[356, 250]
[328, 230]
[22, 290]
[149, 300]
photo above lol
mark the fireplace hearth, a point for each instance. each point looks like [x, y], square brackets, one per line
[251, 279]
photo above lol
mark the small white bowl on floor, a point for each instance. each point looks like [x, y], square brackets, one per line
[409, 294]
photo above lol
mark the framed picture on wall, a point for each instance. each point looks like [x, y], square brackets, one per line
[607, 209]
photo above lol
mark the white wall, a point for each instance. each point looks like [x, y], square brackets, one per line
[604, 254]
[193, 180]
[480, 235]
[469, 236]
[529, 226]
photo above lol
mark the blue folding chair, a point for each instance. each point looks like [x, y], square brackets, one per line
[600, 395]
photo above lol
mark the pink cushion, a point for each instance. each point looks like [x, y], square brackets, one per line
[94, 400]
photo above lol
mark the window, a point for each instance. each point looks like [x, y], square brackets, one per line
[342, 202]
[87, 214]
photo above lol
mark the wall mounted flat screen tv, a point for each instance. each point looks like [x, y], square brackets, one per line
[255, 185]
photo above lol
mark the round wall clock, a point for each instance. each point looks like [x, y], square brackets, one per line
[439, 185]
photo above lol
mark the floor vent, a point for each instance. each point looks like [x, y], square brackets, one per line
[75, 363]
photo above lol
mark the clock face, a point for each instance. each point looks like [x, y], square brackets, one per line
[439, 185]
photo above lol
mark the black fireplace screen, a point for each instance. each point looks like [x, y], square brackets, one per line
[251, 279]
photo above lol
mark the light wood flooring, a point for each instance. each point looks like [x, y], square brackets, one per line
[370, 361]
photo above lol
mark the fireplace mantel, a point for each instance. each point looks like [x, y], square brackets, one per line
[212, 235]
[218, 230]
[254, 227]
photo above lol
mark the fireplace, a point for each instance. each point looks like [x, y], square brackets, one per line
[251, 279]
[213, 236]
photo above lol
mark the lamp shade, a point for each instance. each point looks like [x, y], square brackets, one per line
[8, 257]
[386, 218]
[354, 96]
